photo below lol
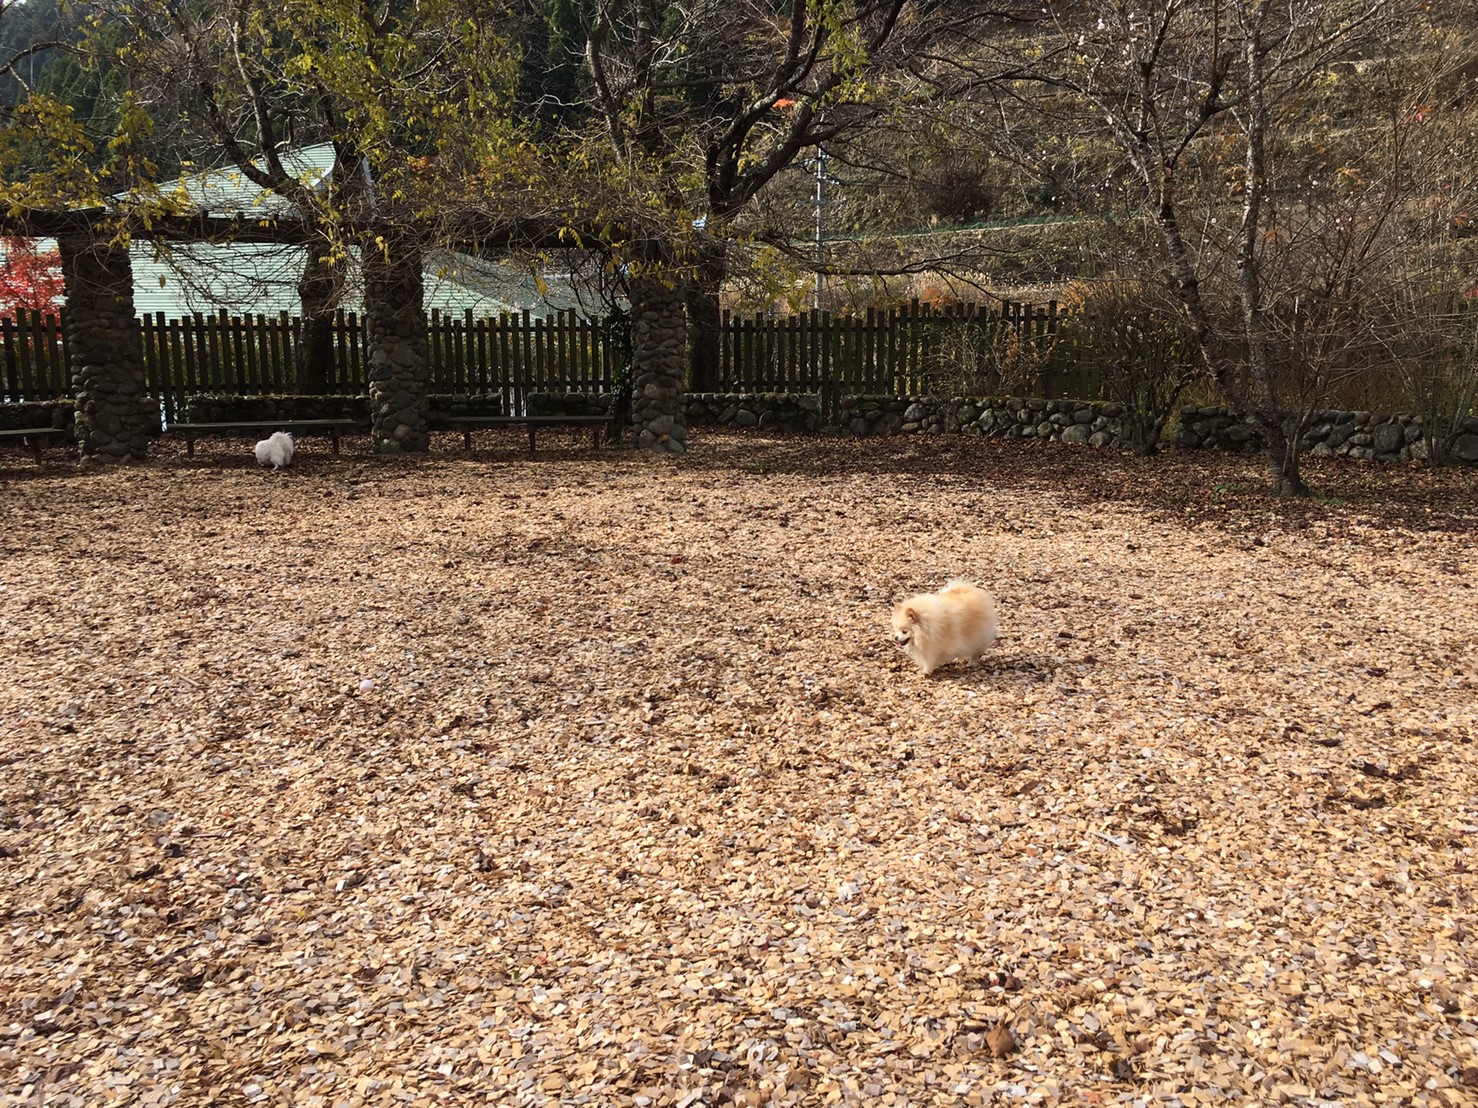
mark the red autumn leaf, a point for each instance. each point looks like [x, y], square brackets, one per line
[30, 279]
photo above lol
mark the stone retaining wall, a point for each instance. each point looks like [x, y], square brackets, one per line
[765, 410]
[568, 403]
[1098, 423]
[444, 407]
[223, 409]
[1360, 435]
[1378, 436]
[56, 414]
[216, 408]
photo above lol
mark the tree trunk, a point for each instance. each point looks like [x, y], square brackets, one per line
[398, 362]
[1280, 448]
[705, 320]
[1160, 173]
[1281, 431]
[1281, 439]
[616, 327]
[1280, 435]
[1290, 485]
[115, 417]
[1147, 428]
[319, 291]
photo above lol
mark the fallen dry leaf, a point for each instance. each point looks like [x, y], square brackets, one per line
[1000, 1041]
[595, 778]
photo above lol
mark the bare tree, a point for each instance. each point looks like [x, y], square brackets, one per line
[1427, 327]
[1197, 120]
[1432, 340]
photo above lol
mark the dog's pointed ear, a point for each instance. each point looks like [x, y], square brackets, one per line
[911, 614]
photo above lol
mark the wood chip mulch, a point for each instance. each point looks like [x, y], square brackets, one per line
[592, 778]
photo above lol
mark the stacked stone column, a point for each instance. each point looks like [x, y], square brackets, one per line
[115, 417]
[658, 353]
[396, 321]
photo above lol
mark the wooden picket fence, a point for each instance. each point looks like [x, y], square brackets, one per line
[913, 350]
[34, 357]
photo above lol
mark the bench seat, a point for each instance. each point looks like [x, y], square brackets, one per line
[331, 427]
[466, 424]
[34, 437]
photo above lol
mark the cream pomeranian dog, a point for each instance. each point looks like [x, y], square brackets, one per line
[956, 623]
[276, 451]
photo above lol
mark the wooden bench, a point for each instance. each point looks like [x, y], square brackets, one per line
[35, 436]
[264, 427]
[466, 424]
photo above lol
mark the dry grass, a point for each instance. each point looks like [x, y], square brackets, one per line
[643, 808]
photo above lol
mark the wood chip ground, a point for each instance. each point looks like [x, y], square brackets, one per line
[591, 778]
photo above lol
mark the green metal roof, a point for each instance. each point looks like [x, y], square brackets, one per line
[253, 279]
[228, 191]
[261, 279]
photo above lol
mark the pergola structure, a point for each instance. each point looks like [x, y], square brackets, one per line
[115, 417]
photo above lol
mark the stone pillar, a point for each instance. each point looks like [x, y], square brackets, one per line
[396, 321]
[115, 417]
[658, 342]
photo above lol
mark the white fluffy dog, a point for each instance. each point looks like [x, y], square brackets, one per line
[276, 451]
[957, 622]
